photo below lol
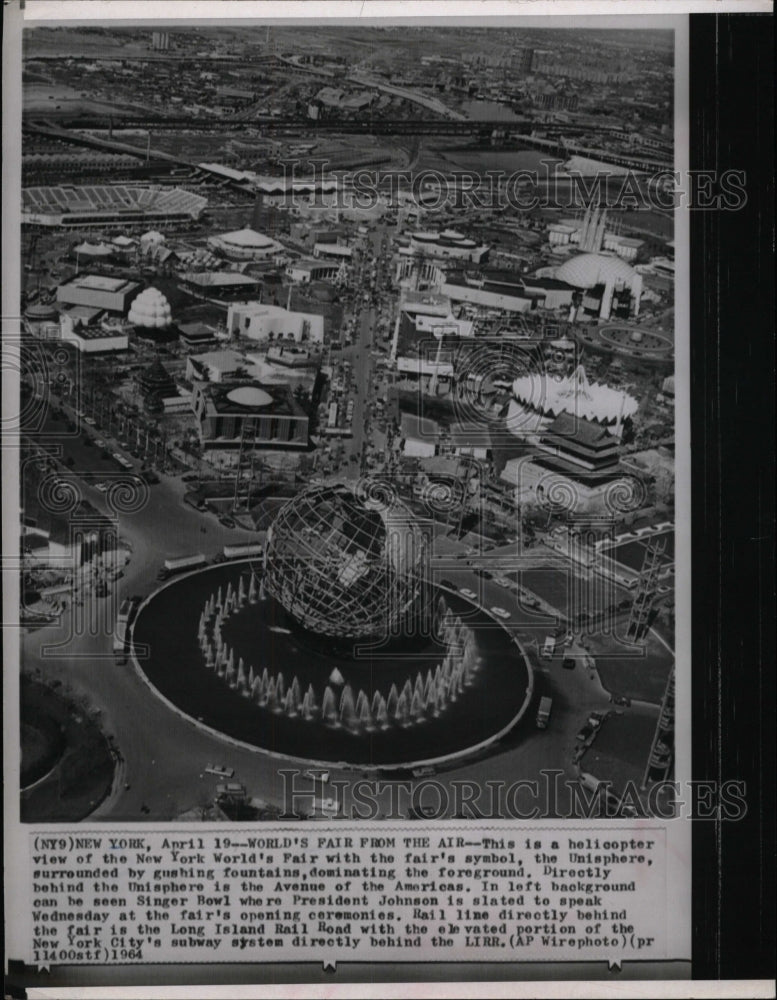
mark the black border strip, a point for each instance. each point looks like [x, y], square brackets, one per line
[733, 464]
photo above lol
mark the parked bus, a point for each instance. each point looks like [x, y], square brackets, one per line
[543, 712]
[171, 566]
[243, 550]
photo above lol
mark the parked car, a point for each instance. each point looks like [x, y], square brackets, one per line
[219, 770]
[469, 594]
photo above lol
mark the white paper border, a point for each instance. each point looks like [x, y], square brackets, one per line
[532, 13]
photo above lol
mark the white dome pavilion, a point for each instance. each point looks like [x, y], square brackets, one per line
[540, 397]
[589, 269]
[150, 310]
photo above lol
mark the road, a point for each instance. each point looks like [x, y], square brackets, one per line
[164, 754]
[430, 103]
[359, 353]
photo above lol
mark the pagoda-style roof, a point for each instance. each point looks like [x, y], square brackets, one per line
[156, 378]
[580, 430]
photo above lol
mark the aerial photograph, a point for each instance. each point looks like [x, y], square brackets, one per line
[347, 436]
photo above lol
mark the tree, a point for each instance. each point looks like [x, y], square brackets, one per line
[628, 434]
[302, 396]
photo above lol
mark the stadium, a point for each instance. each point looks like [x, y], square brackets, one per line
[99, 205]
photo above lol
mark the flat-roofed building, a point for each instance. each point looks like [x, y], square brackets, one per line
[468, 438]
[262, 416]
[448, 244]
[96, 340]
[443, 326]
[291, 356]
[216, 366]
[425, 304]
[306, 270]
[548, 293]
[419, 368]
[81, 316]
[181, 402]
[197, 335]
[460, 288]
[98, 291]
[420, 436]
[222, 285]
[500, 289]
[260, 321]
[335, 251]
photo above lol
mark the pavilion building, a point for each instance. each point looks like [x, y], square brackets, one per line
[573, 468]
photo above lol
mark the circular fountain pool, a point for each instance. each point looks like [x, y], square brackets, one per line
[224, 652]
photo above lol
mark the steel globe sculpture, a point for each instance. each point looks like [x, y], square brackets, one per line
[275, 660]
[346, 562]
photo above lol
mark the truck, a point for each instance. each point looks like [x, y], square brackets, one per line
[543, 712]
[178, 565]
[233, 790]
